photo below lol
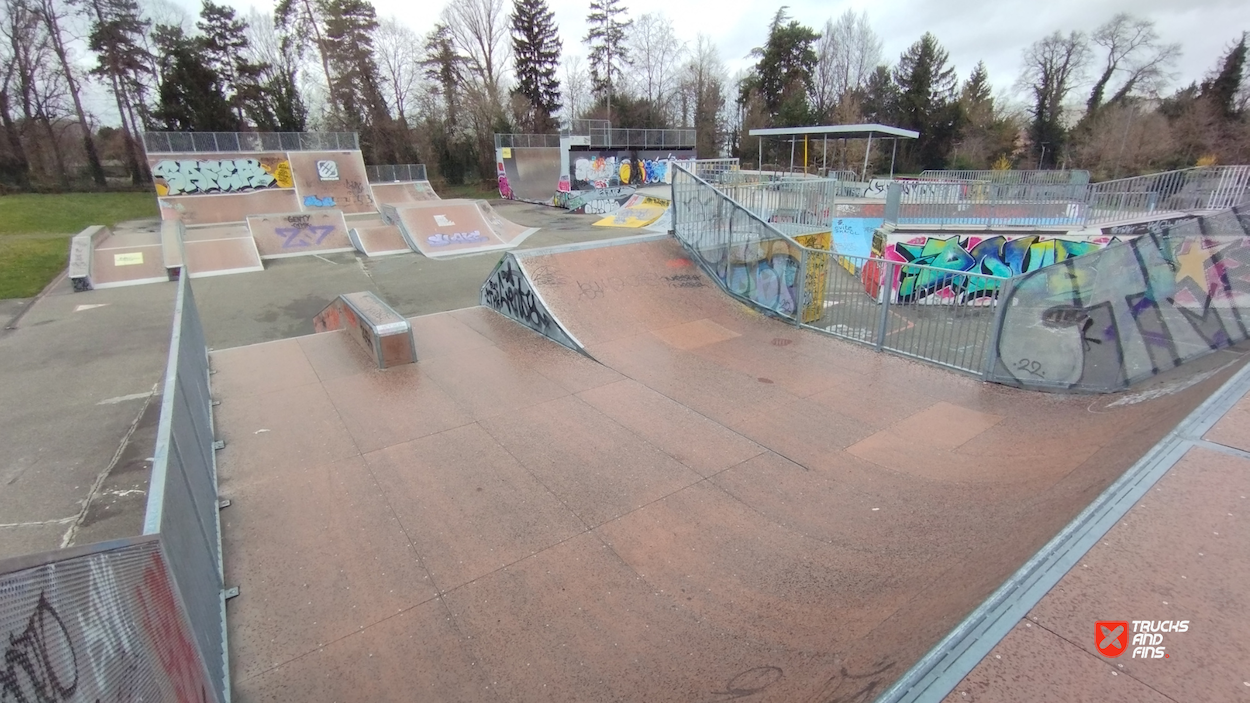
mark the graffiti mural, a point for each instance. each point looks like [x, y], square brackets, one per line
[300, 232]
[1127, 312]
[195, 176]
[998, 255]
[508, 292]
[606, 200]
[595, 170]
[316, 201]
[505, 191]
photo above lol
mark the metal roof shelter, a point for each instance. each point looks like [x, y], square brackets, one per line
[843, 132]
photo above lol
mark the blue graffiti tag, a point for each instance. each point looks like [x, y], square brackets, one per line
[440, 240]
[314, 201]
[294, 236]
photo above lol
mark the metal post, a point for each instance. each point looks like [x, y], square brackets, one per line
[886, 290]
[824, 156]
[893, 152]
[863, 172]
[804, 154]
[760, 143]
[1000, 311]
[792, 140]
[800, 282]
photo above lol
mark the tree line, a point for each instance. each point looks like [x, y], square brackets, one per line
[1097, 100]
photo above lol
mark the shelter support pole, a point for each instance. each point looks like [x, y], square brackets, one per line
[792, 141]
[760, 165]
[893, 153]
[863, 172]
[804, 154]
[824, 156]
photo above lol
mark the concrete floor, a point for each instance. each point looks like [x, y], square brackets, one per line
[716, 505]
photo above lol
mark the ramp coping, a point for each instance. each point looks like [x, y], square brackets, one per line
[382, 330]
[172, 232]
[941, 669]
[81, 252]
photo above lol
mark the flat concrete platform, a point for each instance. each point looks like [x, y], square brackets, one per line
[717, 505]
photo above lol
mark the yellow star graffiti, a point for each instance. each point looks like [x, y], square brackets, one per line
[1192, 264]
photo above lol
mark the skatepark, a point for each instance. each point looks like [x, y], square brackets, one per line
[771, 452]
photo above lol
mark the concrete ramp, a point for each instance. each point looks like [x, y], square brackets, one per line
[451, 227]
[101, 258]
[299, 234]
[220, 250]
[531, 174]
[331, 180]
[216, 208]
[639, 211]
[378, 240]
[403, 192]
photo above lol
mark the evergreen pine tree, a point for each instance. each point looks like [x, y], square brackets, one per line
[354, 83]
[190, 98]
[225, 46]
[606, 40]
[1222, 88]
[116, 37]
[927, 101]
[536, 51]
[783, 73]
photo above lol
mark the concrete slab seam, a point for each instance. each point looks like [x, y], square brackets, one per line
[941, 669]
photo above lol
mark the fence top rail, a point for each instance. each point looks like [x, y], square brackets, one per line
[209, 142]
[23, 562]
[795, 243]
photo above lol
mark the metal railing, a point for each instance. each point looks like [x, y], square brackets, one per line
[141, 618]
[985, 204]
[929, 313]
[804, 205]
[182, 494]
[1200, 188]
[1072, 177]
[198, 142]
[503, 141]
[394, 173]
[712, 169]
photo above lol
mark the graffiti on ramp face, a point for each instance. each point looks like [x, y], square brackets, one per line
[508, 292]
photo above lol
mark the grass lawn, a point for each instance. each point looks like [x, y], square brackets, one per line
[35, 231]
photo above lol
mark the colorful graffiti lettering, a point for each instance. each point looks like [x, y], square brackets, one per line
[1113, 317]
[564, 185]
[221, 176]
[994, 256]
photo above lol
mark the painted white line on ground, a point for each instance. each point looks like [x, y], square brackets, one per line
[92, 306]
[124, 398]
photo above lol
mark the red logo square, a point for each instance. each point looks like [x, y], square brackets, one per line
[1111, 637]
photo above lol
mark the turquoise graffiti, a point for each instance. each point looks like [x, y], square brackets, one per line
[993, 256]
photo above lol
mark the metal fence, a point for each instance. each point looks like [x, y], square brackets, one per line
[504, 141]
[936, 315]
[182, 495]
[141, 618]
[985, 204]
[1201, 188]
[1072, 177]
[181, 142]
[712, 169]
[805, 204]
[394, 173]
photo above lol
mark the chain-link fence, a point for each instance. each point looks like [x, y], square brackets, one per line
[503, 141]
[195, 142]
[395, 172]
[140, 618]
[1072, 177]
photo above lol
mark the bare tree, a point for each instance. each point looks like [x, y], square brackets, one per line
[51, 15]
[846, 54]
[576, 87]
[397, 48]
[1052, 67]
[703, 96]
[479, 29]
[17, 29]
[657, 55]
[1133, 51]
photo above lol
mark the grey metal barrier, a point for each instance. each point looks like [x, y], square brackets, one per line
[503, 141]
[141, 618]
[712, 169]
[987, 204]
[199, 142]
[182, 496]
[392, 173]
[1026, 177]
[938, 315]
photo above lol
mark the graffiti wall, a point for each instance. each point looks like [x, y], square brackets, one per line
[508, 292]
[994, 255]
[195, 174]
[595, 170]
[100, 627]
[299, 233]
[332, 180]
[1102, 321]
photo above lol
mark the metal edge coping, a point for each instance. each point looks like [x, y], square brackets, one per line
[937, 673]
[164, 431]
[23, 562]
[582, 246]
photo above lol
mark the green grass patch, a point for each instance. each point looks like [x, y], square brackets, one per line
[70, 213]
[27, 264]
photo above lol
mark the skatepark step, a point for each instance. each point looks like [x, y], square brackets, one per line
[100, 258]
[371, 323]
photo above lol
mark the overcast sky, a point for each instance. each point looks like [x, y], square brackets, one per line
[995, 32]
